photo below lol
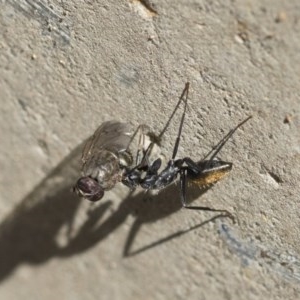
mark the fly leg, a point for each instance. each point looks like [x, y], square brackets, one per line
[143, 168]
[183, 176]
[143, 151]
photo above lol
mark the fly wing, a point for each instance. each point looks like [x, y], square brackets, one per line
[112, 136]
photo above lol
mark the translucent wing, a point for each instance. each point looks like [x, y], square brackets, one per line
[112, 136]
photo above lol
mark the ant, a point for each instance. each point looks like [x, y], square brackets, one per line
[107, 160]
[204, 173]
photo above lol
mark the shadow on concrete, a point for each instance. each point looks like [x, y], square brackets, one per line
[28, 234]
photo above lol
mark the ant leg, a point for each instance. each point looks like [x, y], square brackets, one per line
[131, 237]
[159, 137]
[217, 148]
[191, 165]
[205, 208]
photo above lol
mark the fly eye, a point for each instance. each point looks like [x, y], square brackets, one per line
[89, 189]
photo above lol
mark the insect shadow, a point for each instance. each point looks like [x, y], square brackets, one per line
[107, 160]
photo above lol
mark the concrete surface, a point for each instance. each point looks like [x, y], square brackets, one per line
[67, 66]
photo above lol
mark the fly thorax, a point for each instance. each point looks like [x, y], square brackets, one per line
[125, 159]
[104, 167]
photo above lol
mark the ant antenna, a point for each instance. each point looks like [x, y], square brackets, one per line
[174, 111]
[217, 148]
[149, 149]
[186, 93]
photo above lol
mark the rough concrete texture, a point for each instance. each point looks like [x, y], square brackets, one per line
[67, 66]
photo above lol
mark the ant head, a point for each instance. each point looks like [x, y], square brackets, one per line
[88, 188]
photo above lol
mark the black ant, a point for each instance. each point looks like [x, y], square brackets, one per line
[203, 173]
[107, 160]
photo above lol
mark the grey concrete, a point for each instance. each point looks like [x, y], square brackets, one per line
[68, 66]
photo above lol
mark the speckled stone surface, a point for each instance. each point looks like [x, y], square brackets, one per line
[66, 67]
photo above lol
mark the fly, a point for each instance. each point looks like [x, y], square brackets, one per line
[107, 160]
[104, 155]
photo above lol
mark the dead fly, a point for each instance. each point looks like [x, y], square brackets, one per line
[107, 157]
[107, 160]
